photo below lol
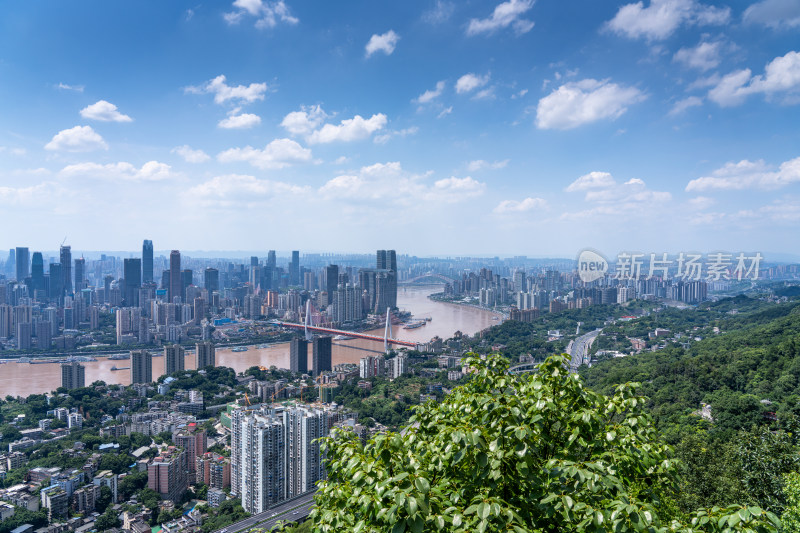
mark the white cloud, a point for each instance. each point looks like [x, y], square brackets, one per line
[189, 155]
[33, 194]
[384, 138]
[240, 189]
[704, 56]
[504, 15]
[592, 180]
[77, 139]
[701, 202]
[304, 121]
[661, 18]
[389, 183]
[431, 94]
[267, 14]
[440, 13]
[13, 151]
[748, 175]
[352, 129]
[469, 82]
[223, 92]
[240, 122]
[65, 87]
[104, 112]
[446, 111]
[279, 153]
[682, 105]
[577, 103]
[777, 14]
[781, 78]
[382, 43]
[480, 164]
[520, 206]
[150, 171]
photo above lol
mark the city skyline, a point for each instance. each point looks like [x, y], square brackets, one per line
[513, 128]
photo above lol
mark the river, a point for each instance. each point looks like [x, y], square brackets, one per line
[21, 379]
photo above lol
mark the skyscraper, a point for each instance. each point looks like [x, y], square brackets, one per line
[132, 269]
[141, 367]
[173, 358]
[387, 262]
[66, 268]
[294, 269]
[298, 355]
[211, 280]
[261, 461]
[331, 280]
[73, 375]
[175, 280]
[206, 354]
[322, 354]
[37, 272]
[56, 281]
[147, 261]
[23, 264]
[80, 274]
[272, 260]
[187, 278]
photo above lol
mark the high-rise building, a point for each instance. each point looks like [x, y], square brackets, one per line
[272, 260]
[195, 442]
[132, 270]
[213, 470]
[187, 278]
[322, 346]
[175, 280]
[147, 261]
[304, 466]
[167, 474]
[387, 262]
[80, 274]
[331, 280]
[211, 280]
[294, 268]
[73, 375]
[66, 268]
[37, 273]
[261, 461]
[56, 281]
[141, 367]
[371, 367]
[298, 355]
[173, 358]
[23, 264]
[206, 354]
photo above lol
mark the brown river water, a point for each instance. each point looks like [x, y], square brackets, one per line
[22, 379]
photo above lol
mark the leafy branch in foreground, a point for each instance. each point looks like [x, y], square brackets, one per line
[529, 453]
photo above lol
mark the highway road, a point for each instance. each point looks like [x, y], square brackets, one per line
[579, 349]
[289, 511]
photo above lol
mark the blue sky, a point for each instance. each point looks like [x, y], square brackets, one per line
[446, 128]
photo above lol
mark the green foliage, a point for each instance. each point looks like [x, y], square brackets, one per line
[515, 453]
[103, 500]
[107, 520]
[791, 516]
[132, 483]
[229, 512]
[23, 516]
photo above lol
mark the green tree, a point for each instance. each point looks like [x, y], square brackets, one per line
[791, 516]
[532, 453]
[107, 520]
[103, 500]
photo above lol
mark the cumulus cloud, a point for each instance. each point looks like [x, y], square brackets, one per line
[25, 195]
[223, 92]
[238, 189]
[122, 171]
[520, 206]
[592, 180]
[504, 15]
[431, 94]
[704, 56]
[240, 122]
[104, 112]
[277, 154]
[661, 18]
[389, 182]
[190, 155]
[781, 78]
[480, 164]
[681, 106]
[66, 87]
[352, 129]
[470, 82]
[384, 138]
[382, 43]
[748, 175]
[77, 139]
[304, 121]
[577, 103]
[778, 14]
[267, 14]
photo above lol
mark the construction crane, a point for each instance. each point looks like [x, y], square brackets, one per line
[247, 399]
